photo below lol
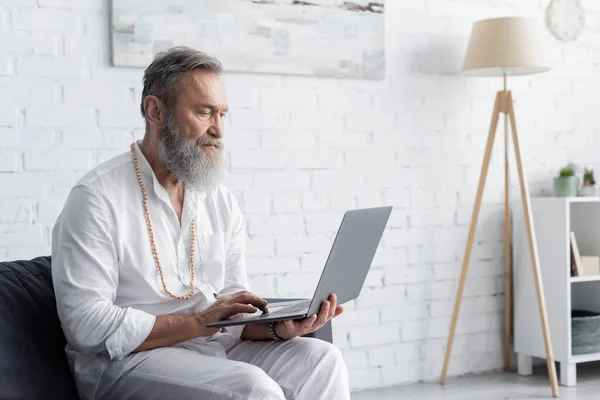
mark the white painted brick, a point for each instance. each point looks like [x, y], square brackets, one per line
[355, 359]
[339, 179]
[469, 305]
[63, 184]
[287, 202]
[381, 356]
[49, 209]
[295, 282]
[342, 200]
[49, 67]
[275, 224]
[82, 138]
[32, 19]
[343, 141]
[391, 295]
[26, 252]
[262, 285]
[22, 185]
[257, 203]
[105, 155]
[370, 121]
[278, 141]
[9, 116]
[395, 258]
[368, 199]
[289, 99]
[398, 219]
[101, 93]
[322, 120]
[362, 379]
[347, 100]
[323, 222]
[264, 265]
[398, 273]
[239, 181]
[60, 116]
[6, 65]
[122, 117]
[425, 329]
[397, 197]
[21, 236]
[299, 244]
[243, 118]
[27, 138]
[340, 336]
[288, 180]
[419, 218]
[63, 160]
[313, 262]
[116, 138]
[363, 336]
[16, 211]
[260, 246]
[404, 312]
[358, 316]
[400, 374]
[9, 162]
[473, 323]
[73, 4]
[260, 160]
[235, 140]
[394, 238]
[440, 253]
[430, 291]
[315, 159]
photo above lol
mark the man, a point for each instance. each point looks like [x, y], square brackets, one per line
[149, 248]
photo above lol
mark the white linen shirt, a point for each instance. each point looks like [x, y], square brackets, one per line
[108, 288]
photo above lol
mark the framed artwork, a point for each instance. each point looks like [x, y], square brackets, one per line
[333, 38]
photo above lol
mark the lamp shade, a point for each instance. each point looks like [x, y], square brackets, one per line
[509, 45]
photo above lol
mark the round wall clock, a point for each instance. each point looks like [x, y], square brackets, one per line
[565, 19]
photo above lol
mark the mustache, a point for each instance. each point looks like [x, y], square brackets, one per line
[209, 141]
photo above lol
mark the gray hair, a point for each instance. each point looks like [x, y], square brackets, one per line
[162, 76]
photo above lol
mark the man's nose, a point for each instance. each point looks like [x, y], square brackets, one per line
[216, 128]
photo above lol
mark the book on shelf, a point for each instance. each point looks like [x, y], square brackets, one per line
[582, 265]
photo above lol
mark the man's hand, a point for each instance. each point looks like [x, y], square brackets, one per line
[289, 329]
[230, 305]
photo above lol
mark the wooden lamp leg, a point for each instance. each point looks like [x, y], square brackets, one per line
[534, 252]
[471, 237]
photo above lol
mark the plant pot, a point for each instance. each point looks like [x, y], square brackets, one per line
[588, 190]
[565, 186]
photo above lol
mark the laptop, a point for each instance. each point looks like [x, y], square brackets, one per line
[345, 270]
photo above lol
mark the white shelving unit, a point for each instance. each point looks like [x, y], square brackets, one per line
[554, 219]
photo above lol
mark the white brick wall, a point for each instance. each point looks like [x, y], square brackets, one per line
[303, 150]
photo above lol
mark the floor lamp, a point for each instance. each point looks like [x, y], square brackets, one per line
[502, 47]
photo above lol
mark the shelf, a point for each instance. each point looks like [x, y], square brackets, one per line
[589, 278]
[581, 358]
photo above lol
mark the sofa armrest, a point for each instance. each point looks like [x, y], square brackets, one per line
[324, 333]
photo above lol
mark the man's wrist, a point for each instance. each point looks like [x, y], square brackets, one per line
[273, 331]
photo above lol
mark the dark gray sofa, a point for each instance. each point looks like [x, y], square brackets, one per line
[33, 364]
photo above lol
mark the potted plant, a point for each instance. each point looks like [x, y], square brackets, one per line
[589, 183]
[566, 183]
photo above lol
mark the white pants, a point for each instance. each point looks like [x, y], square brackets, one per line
[300, 369]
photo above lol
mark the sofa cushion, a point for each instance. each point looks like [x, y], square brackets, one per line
[33, 364]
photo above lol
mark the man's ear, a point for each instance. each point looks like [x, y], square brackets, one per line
[155, 111]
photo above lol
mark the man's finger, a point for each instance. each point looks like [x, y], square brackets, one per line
[250, 298]
[309, 322]
[324, 313]
[332, 307]
[238, 308]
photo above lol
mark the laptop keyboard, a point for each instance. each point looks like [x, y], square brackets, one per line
[298, 308]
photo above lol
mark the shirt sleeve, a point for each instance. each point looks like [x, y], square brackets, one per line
[236, 278]
[85, 275]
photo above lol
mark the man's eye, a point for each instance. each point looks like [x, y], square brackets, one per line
[205, 113]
